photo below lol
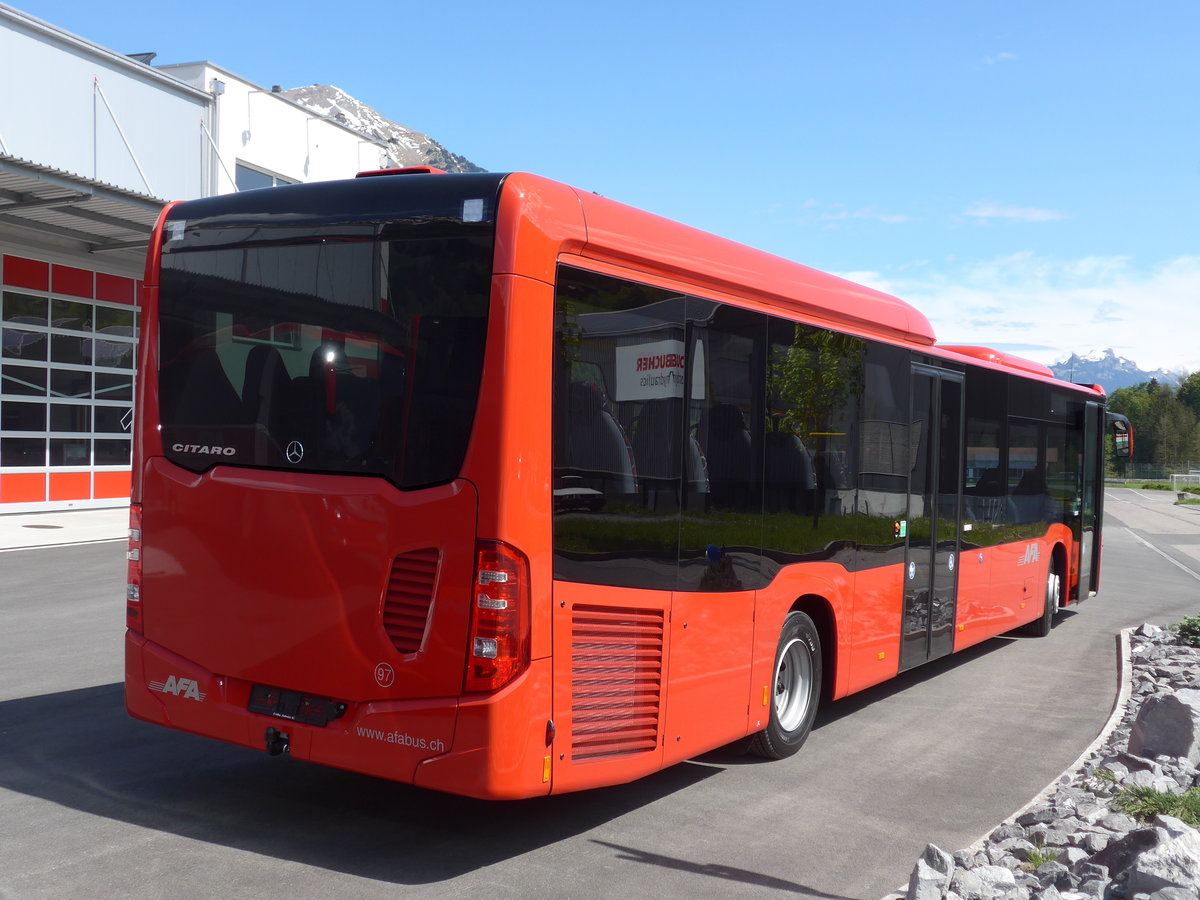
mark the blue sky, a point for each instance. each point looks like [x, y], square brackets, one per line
[1026, 173]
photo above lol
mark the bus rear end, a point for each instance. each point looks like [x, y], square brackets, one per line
[307, 570]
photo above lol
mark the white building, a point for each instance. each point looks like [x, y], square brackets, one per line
[262, 139]
[90, 150]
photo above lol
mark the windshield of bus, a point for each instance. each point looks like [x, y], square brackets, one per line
[333, 346]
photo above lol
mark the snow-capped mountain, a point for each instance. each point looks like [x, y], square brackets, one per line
[406, 147]
[1105, 368]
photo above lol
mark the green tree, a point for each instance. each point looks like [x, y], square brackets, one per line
[813, 379]
[1165, 424]
[1189, 392]
[1134, 402]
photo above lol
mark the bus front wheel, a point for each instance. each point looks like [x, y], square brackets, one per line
[794, 691]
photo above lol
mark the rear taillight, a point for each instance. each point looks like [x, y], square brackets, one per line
[499, 641]
[133, 578]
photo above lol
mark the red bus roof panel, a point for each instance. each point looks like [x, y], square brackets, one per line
[1008, 360]
[617, 233]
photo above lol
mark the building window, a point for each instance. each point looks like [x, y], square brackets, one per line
[249, 179]
[66, 394]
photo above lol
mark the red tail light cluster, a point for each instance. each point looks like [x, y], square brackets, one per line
[133, 579]
[499, 639]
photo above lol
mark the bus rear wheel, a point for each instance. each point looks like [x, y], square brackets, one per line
[795, 689]
[1041, 627]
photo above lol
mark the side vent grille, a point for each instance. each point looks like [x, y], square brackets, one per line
[616, 680]
[408, 598]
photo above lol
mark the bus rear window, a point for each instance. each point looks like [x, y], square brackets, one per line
[341, 348]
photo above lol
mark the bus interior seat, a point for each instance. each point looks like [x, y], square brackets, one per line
[655, 441]
[597, 447]
[199, 392]
[332, 409]
[791, 480]
[265, 388]
[1031, 499]
[727, 447]
[990, 484]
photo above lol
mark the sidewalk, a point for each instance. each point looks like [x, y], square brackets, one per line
[19, 531]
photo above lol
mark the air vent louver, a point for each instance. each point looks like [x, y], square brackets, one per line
[616, 680]
[409, 597]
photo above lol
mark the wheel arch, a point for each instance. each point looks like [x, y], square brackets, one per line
[1058, 555]
[820, 610]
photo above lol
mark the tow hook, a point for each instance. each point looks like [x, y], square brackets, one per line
[277, 742]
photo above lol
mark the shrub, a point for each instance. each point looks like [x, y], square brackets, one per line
[1144, 803]
[1189, 631]
[1040, 854]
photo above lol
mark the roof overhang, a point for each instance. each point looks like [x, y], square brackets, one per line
[50, 201]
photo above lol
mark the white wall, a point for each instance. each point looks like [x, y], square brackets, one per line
[265, 131]
[53, 87]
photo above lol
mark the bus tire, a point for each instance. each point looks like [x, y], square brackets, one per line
[1040, 627]
[796, 688]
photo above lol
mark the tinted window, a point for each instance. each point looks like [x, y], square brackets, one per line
[889, 451]
[721, 535]
[697, 446]
[618, 431]
[987, 512]
[359, 346]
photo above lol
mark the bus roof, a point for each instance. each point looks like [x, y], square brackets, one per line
[620, 234]
[1010, 362]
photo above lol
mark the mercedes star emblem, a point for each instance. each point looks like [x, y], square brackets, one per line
[295, 452]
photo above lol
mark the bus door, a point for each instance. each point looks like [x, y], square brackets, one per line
[1091, 496]
[931, 529]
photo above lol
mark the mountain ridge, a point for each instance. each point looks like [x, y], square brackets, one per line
[1105, 368]
[406, 147]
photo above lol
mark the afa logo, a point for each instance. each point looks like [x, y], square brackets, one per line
[1032, 554]
[179, 687]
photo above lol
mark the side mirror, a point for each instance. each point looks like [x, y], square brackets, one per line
[1122, 435]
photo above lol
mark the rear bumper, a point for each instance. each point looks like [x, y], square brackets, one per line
[493, 747]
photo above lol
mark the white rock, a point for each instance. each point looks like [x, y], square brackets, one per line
[1173, 863]
[997, 878]
[930, 878]
[1168, 725]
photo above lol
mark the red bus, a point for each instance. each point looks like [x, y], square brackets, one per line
[497, 487]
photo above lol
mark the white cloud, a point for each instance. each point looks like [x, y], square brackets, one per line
[1000, 58]
[868, 213]
[832, 215]
[989, 211]
[1055, 307]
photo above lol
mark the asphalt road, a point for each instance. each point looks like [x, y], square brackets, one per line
[94, 804]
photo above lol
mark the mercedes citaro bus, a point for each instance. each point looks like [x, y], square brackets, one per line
[493, 486]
